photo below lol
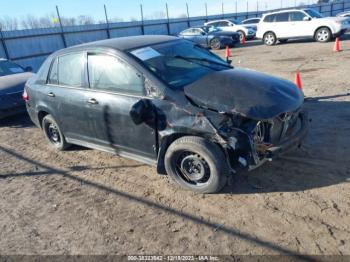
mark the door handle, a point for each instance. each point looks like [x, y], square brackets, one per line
[51, 94]
[92, 101]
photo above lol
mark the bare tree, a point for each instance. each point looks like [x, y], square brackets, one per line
[9, 23]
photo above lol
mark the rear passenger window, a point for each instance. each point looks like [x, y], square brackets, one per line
[269, 18]
[71, 70]
[111, 74]
[53, 77]
[282, 17]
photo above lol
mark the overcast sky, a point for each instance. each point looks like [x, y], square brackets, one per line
[126, 9]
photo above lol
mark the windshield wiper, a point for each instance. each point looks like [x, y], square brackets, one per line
[193, 59]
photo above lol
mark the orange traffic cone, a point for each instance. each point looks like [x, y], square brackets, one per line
[337, 45]
[228, 52]
[297, 81]
[243, 40]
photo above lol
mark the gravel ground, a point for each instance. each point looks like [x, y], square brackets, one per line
[88, 202]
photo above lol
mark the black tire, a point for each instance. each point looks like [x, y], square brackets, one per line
[53, 133]
[241, 36]
[196, 164]
[270, 39]
[283, 41]
[323, 35]
[215, 44]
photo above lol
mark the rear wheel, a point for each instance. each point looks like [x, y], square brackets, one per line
[215, 44]
[53, 133]
[323, 35]
[196, 164]
[270, 39]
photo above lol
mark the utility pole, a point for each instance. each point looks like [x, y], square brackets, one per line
[142, 20]
[188, 16]
[107, 22]
[222, 9]
[61, 26]
[206, 12]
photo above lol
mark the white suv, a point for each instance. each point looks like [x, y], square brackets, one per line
[296, 23]
[233, 26]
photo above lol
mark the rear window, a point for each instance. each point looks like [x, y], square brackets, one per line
[269, 18]
[9, 68]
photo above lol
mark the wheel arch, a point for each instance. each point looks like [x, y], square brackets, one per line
[322, 26]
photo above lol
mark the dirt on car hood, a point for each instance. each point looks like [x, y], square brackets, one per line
[246, 92]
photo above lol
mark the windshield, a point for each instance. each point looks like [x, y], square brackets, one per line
[179, 63]
[9, 68]
[235, 22]
[313, 13]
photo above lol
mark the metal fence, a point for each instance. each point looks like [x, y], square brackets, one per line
[31, 47]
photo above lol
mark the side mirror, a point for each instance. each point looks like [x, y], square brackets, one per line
[28, 69]
[307, 18]
[202, 33]
[142, 111]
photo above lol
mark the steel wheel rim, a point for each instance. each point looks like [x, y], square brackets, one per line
[322, 35]
[192, 168]
[53, 133]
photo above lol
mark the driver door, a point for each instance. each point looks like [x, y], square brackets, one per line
[115, 87]
[300, 27]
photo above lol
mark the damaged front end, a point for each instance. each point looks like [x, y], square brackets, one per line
[250, 143]
[261, 116]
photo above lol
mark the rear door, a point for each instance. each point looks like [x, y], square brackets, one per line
[65, 94]
[282, 25]
[115, 87]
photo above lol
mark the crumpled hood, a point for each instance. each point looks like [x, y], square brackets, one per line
[246, 92]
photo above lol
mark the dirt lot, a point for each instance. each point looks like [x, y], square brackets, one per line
[89, 202]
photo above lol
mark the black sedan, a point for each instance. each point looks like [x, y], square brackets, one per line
[12, 80]
[167, 102]
[210, 37]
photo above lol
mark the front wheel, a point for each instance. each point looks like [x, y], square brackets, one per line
[53, 133]
[270, 39]
[215, 44]
[323, 35]
[241, 36]
[196, 164]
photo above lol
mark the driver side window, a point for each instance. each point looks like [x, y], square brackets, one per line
[296, 16]
[109, 73]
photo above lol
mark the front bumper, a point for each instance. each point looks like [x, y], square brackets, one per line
[341, 32]
[250, 36]
[294, 140]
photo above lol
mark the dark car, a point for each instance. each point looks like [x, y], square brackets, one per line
[12, 80]
[211, 37]
[167, 102]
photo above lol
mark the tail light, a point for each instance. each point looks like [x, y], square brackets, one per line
[25, 95]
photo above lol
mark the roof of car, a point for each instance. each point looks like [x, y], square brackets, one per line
[215, 21]
[123, 43]
[285, 10]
